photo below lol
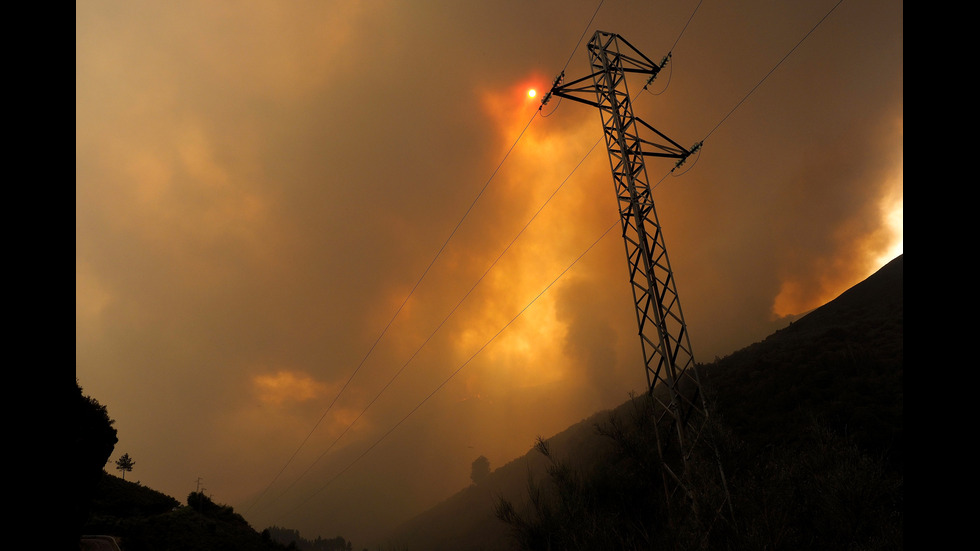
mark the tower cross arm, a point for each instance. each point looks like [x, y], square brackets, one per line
[677, 151]
[577, 90]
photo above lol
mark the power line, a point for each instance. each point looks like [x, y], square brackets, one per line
[584, 32]
[758, 84]
[685, 27]
[417, 283]
[771, 71]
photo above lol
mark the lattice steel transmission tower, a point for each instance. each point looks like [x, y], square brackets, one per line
[671, 372]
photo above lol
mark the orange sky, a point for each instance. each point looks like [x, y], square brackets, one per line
[260, 185]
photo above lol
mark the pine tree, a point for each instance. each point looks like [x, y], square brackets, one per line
[125, 464]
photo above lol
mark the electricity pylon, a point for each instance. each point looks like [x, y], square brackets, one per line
[671, 373]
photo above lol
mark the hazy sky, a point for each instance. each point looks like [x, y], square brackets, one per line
[260, 185]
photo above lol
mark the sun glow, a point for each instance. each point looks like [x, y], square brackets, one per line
[532, 92]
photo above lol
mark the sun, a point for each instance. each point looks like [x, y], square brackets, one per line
[532, 92]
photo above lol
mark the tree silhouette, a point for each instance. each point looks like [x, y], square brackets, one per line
[481, 469]
[125, 464]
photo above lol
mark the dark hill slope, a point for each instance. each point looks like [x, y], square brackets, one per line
[841, 365]
[811, 435]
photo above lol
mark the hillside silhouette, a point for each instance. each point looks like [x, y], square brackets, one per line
[140, 518]
[143, 519]
[808, 424]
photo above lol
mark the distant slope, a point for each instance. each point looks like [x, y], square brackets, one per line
[839, 368]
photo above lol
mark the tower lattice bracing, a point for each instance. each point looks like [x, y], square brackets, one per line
[671, 372]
